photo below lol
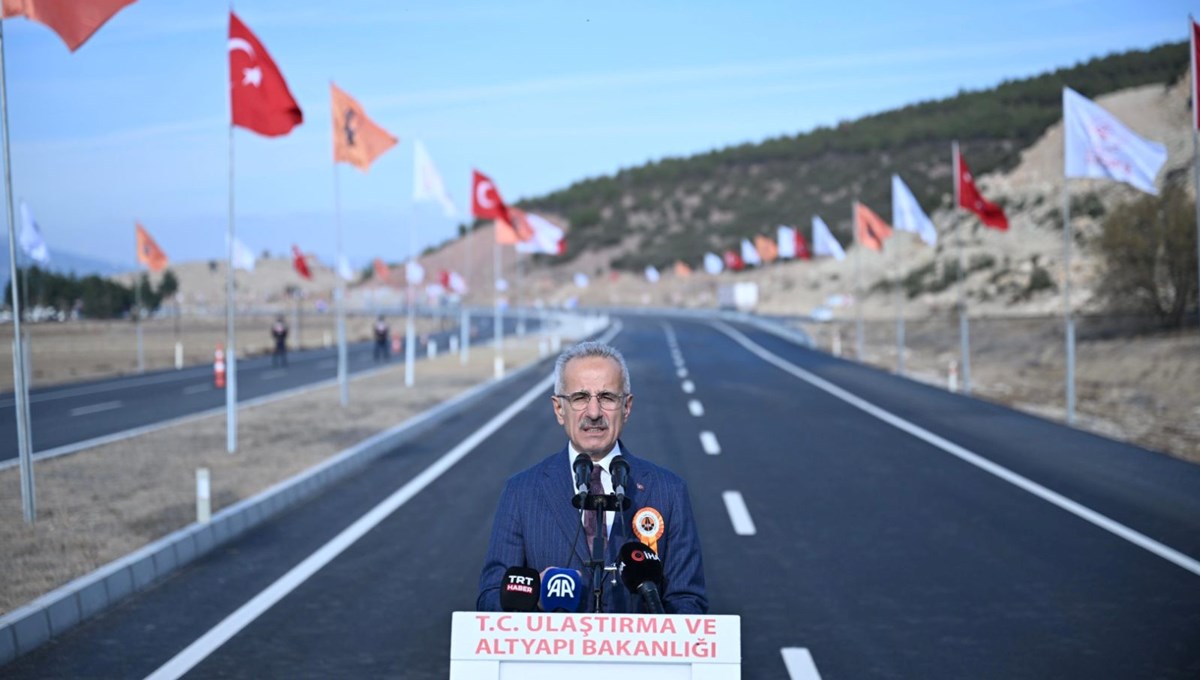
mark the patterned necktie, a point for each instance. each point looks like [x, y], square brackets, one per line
[589, 517]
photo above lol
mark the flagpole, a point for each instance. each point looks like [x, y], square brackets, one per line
[519, 281]
[498, 335]
[231, 391]
[858, 341]
[964, 332]
[339, 294]
[410, 350]
[1069, 321]
[899, 306]
[464, 327]
[20, 386]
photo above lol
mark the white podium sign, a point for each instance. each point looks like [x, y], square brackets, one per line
[533, 645]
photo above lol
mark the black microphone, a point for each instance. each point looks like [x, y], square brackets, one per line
[642, 573]
[618, 469]
[519, 589]
[583, 474]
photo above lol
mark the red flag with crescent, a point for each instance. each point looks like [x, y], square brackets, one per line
[486, 203]
[300, 263]
[259, 95]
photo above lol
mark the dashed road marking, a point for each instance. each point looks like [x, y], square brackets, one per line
[696, 408]
[96, 408]
[743, 525]
[688, 386]
[682, 372]
[800, 664]
[196, 389]
[709, 441]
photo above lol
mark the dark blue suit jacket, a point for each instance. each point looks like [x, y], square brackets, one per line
[536, 524]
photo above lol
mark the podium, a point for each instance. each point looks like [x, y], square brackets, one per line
[542, 645]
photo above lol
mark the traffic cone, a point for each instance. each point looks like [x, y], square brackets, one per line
[219, 367]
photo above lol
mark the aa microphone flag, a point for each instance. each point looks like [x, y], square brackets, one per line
[824, 244]
[357, 139]
[1097, 144]
[258, 94]
[907, 213]
[969, 197]
[73, 20]
[148, 252]
[872, 231]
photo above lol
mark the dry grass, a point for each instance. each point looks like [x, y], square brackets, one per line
[98, 505]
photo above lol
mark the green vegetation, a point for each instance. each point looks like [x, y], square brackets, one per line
[712, 200]
[93, 296]
[1149, 249]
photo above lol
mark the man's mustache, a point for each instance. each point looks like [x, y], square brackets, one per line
[599, 421]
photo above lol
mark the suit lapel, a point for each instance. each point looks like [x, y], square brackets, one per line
[556, 492]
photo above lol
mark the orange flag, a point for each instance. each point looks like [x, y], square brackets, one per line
[766, 247]
[357, 140]
[872, 231]
[682, 270]
[73, 20]
[148, 252]
[510, 234]
[382, 272]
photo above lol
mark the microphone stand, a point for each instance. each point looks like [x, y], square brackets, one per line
[599, 504]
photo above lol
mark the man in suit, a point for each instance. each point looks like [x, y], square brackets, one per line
[536, 526]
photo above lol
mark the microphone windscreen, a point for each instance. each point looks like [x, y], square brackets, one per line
[562, 590]
[519, 589]
[639, 564]
[618, 469]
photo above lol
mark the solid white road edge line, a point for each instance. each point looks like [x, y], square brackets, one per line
[800, 664]
[739, 514]
[206, 644]
[1079, 510]
[709, 441]
[696, 408]
[96, 408]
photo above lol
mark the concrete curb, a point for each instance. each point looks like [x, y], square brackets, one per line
[28, 627]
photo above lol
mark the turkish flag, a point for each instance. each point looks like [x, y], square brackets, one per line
[871, 229]
[485, 199]
[73, 20]
[259, 94]
[382, 272]
[300, 263]
[148, 252]
[734, 261]
[969, 197]
[357, 139]
[802, 251]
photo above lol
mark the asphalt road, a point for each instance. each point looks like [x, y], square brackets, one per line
[899, 532]
[64, 415]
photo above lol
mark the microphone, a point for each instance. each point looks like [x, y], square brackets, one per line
[618, 469]
[642, 572]
[583, 474]
[519, 589]
[562, 590]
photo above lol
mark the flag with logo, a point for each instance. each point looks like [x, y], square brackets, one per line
[31, 237]
[1097, 144]
[243, 257]
[713, 264]
[258, 94]
[357, 139]
[907, 213]
[767, 250]
[73, 20]
[824, 244]
[427, 181]
[452, 281]
[870, 228]
[344, 269]
[414, 273]
[546, 238]
[513, 228]
[148, 252]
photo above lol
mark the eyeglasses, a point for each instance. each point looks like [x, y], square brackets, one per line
[580, 400]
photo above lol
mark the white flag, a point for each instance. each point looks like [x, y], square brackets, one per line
[343, 267]
[31, 237]
[787, 242]
[414, 273]
[1097, 144]
[713, 264]
[546, 236]
[750, 253]
[581, 280]
[824, 244]
[456, 283]
[243, 257]
[427, 182]
[651, 274]
[501, 285]
[907, 214]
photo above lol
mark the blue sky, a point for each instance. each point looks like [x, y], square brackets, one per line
[536, 94]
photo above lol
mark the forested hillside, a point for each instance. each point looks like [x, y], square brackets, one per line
[679, 208]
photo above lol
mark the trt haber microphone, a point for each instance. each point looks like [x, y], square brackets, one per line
[642, 573]
[519, 589]
[562, 590]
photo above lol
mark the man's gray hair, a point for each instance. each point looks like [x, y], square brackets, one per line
[590, 349]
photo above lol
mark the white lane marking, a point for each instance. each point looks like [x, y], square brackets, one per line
[206, 644]
[709, 441]
[688, 386]
[800, 664]
[743, 525]
[696, 408]
[328, 363]
[96, 408]
[1079, 510]
[682, 372]
[196, 389]
[271, 375]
